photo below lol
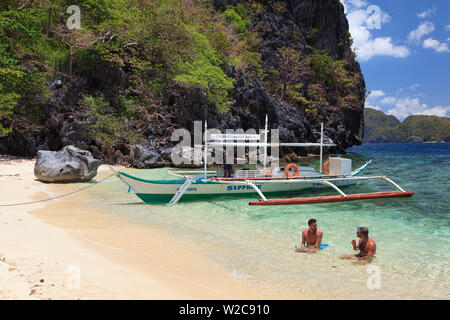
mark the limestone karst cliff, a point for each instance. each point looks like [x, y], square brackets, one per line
[139, 69]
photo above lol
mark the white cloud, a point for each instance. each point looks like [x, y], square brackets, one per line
[402, 107]
[357, 18]
[447, 27]
[435, 45]
[405, 107]
[365, 45]
[377, 93]
[373, 100]
[388, 100]
[354, 4]
[358, 3]
[414, 86]
[427, 13]
[439, 111]
[385, 17]
[422, 30]
[372, 107]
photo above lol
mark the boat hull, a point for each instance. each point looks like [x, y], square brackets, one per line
[162, 191]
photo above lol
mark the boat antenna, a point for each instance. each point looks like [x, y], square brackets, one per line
[205, 155]
[266, 130]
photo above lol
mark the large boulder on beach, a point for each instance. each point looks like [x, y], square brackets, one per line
[67, 165]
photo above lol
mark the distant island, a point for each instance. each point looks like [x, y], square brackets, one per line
[380, 127]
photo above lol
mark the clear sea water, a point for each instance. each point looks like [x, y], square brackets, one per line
[257, 243]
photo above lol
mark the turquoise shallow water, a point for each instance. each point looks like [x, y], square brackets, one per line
[257, 243]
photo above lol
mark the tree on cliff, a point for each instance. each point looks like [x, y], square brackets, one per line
[204, 71]
[75, 40]
[289, 67]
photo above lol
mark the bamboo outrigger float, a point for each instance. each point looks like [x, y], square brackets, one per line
[208, 184]
[310, 200]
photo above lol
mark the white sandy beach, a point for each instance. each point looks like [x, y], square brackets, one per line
[50, 250]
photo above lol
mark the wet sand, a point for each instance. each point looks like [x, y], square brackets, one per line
[60, 250]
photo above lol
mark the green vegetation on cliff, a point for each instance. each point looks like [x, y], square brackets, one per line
[380, 127]
[204, 71]
[157, 42]
[330, 79]
[22, 89]
[137, 69]
[111, 126]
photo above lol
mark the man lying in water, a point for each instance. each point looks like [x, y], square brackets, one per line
[311, 238]
[366, 246]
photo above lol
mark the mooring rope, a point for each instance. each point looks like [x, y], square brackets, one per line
[60, 196]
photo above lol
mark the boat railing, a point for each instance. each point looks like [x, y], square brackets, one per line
[185, 174]
[246, 174]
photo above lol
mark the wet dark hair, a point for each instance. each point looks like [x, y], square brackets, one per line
[364, 231]
[311, 221]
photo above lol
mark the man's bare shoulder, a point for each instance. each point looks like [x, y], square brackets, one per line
[319, 232]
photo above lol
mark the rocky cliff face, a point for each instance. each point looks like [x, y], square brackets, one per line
[290, 26]
[301, 25]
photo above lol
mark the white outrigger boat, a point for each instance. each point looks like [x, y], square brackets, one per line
[208, 184]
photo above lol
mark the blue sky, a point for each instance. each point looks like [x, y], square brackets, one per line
[405, 58]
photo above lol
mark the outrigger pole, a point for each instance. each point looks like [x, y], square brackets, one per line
[205, 154]
[342, 197]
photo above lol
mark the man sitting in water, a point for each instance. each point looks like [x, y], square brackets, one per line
[366, 247]
[311, 238]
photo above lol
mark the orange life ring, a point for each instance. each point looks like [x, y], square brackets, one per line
[289, 166]
[325, 166]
